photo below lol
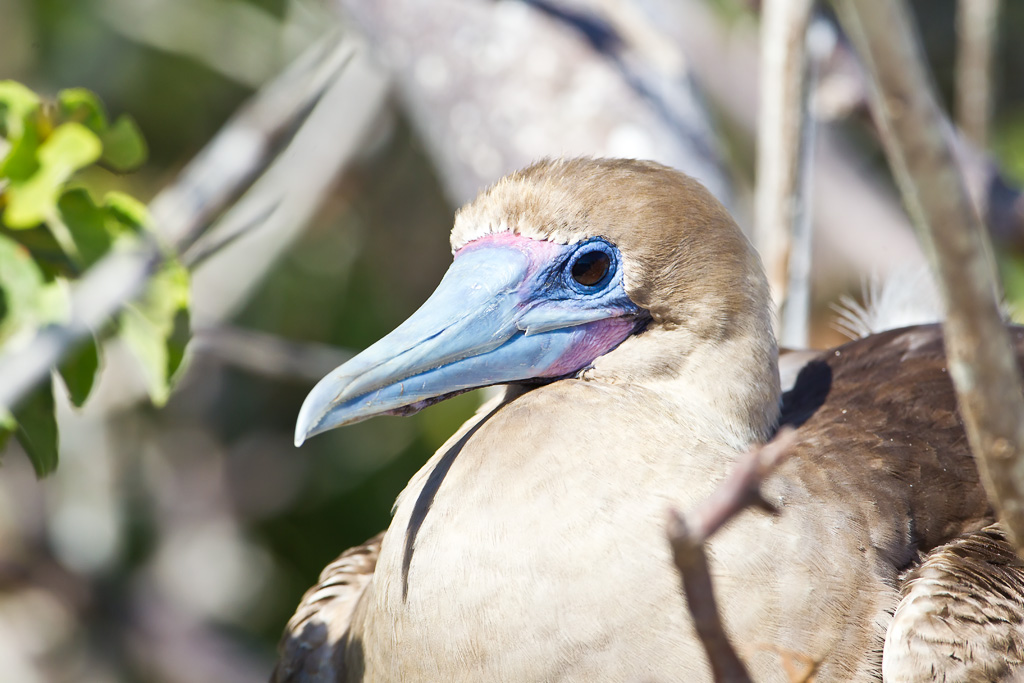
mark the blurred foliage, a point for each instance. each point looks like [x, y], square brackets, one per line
[219, 456]
[1009, 142]
[52, 231]
[179, 99]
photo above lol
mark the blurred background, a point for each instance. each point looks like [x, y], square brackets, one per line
[172, 545]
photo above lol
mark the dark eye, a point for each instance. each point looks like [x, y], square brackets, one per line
[591, 267]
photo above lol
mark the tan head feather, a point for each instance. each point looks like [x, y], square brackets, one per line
[685, 260]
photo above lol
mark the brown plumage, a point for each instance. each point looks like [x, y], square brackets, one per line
[310, 649]
[961, 615]
[530, 547]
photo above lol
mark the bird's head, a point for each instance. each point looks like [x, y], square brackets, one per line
[555, 267]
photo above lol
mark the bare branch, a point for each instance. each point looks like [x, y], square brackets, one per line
[741, 489]
[700, 599]
[917, 143]
[352, 113]
[782, 221]
[998, 198]
[237, 39]
[870, 231]
[246, 145]
[267, 354]
[976, 24]
[687, 535]
[483, 111]
[180, 213]
[204, 249]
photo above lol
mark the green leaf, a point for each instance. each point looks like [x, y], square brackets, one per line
[45, 251]
[87, 224]
[84, 107]
[79, 371]
[124, 148]
[29, 301]
[1008, 143]
[20, 282]
[37, 428]
[177, 341]
[17, 104]
[70, 147]
[7, 426]
[126, 210]
[156, 328]
[20, 162]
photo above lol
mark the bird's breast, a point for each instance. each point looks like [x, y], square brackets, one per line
[536, 542]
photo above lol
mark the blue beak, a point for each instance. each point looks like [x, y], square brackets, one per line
[498, 316]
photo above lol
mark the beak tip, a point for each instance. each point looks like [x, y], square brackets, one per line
[307, 422]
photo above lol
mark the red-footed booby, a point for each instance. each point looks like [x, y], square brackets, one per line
[628, 318]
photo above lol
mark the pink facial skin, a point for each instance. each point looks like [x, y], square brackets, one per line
[539, 252]
[589, 340]
[593, 340]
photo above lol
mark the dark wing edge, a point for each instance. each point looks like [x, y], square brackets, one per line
[313, 644]
[961, 616]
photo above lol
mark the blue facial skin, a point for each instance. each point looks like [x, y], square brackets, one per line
[500, 314]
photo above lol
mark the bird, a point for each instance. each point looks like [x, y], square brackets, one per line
[626, 319]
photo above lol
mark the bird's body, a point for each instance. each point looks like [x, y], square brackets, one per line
[531, 546]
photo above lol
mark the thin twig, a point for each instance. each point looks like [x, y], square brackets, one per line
[267, 354]
[180, 213]
[688, 534]
[781, 225]
[724, 57]
[204, 249]
[700, 599]
[867, 228]
[350, 115]
[246, 145]
[636, 107]
[976, 24]
[917, 143]
[998, 197]
[798, 667]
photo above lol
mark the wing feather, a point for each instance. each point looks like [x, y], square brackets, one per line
[961, 617]
[313, 645]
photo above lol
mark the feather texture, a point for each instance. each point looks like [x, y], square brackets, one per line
[962, 614]
[312, 648]
[531, 546]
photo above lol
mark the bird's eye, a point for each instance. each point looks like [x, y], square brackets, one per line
[591, 267]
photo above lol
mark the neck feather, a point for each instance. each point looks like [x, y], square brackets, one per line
[727, 386]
